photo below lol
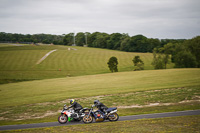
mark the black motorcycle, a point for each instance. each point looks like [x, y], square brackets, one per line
[100, 116]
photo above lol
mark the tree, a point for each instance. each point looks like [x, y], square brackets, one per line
[152, 43]
[171, 49]
[80, 39]
[68, 39]
[101, 40]
[139, 43]
[138, 63]
[185, 59]
[161, 56]
[158, 62]
[112, 64]
[184, 54]
[45, 41]
[115, 41]
[125, 43]
[165, 59]
[91, 39]
[193, 45]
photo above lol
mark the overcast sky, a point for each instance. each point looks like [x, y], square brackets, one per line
[151, 18]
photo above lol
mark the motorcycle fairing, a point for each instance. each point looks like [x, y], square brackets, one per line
[111, 109]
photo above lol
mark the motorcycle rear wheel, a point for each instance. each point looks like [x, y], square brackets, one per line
[62, 119]
[87, 119]
[113, 117]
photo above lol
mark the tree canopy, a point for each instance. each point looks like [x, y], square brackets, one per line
[183, 55]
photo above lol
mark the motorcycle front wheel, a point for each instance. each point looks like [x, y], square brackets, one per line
[62, 119]
[87, 119]
[113, 117]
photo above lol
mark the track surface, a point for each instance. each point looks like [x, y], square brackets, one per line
[122, 118]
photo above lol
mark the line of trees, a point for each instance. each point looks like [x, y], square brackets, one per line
[35, 38]
[113, 62]
[115, 41]
[183, 55]
[118, 41]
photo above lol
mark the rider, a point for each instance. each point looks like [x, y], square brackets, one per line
[100, 106]
[76, 106]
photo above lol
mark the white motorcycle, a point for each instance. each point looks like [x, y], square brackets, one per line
[70, 115]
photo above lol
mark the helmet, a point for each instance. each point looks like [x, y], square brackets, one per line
[71, 101]
[96, 102]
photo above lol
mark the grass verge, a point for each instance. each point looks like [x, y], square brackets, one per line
[183, 124]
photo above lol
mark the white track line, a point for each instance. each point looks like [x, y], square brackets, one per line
[44, 57]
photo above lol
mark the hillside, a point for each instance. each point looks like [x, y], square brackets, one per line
[135, 92]
[20, 63]
[82, 73]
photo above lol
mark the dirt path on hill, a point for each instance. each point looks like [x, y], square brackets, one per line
[46, 55]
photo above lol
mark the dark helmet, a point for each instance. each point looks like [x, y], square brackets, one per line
[96, 102]
[72, 101]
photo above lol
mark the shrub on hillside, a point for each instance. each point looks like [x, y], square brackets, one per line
[112, 64]
[138, 63]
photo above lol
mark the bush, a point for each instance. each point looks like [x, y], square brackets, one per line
[138, 63]
[112, 64]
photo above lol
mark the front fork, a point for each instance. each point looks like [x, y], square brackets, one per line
[89, 113]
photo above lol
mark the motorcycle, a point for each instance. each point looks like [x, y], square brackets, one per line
[70, 115]
[100, 116]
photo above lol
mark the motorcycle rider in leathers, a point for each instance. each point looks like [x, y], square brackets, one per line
[100, 106]
[76, 106]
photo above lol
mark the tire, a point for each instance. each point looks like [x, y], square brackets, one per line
[113, 117]
[62, 119]
[87, 119]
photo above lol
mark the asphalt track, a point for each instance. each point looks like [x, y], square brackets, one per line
[121, 118]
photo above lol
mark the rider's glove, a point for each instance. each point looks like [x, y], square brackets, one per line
[65, 108]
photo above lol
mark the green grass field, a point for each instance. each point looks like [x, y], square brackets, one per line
[19, 63]
[140, 102]
[94, 85]
[83, 74]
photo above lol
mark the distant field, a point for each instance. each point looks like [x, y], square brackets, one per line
[19, 63]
